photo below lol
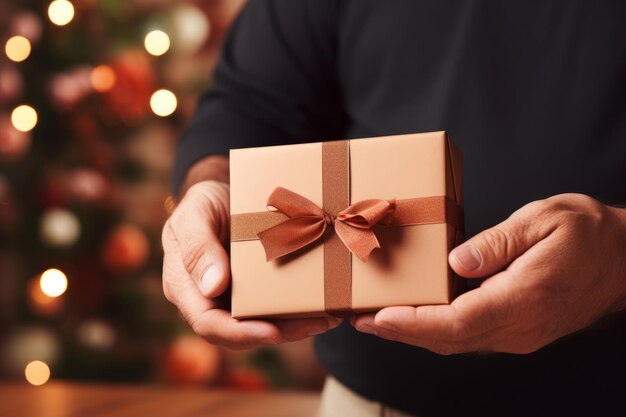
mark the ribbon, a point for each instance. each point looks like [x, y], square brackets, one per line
[307, 223]
[293, 222]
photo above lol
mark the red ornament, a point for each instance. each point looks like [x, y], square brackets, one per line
[247, 380]
[127, 248]
[69, 88]
[87, 185]
[129, 97]
[13, 143]
[11, 83]
[28, 25]
[192, 360]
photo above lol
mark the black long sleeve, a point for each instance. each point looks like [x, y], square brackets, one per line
[533, 92]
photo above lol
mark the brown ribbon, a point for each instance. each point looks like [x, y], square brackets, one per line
[307, 223]
[294, 222]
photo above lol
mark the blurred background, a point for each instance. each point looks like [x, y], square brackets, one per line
[93, 96]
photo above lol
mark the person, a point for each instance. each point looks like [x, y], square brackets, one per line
[534, 95]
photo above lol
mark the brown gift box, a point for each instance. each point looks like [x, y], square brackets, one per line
[422, 172]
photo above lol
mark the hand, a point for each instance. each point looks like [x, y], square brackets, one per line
[196, 271]
[556, 266]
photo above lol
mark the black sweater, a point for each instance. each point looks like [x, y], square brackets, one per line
[534, 94]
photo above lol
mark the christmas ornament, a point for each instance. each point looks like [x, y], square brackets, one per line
[86, 184]
[69, 88]
[189, 28]
[191, 360]
[96, 334]
[28, 25]
[27, 345]
[129, 97]
[40, 303]
[59, 228]
[11, 84]
[126, 248]
[13, 143]
[246, 379]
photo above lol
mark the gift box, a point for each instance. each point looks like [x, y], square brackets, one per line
[334, 228]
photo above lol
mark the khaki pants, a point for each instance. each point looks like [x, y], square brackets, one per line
[339, 401]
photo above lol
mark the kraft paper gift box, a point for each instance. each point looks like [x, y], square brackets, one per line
[402, 193]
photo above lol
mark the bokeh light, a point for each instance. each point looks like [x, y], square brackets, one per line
[37, 373]
[53, 282]
[103, 78]
[157, 42]
[24, 118]
[61, 12]
[163, 103]
[17, 48]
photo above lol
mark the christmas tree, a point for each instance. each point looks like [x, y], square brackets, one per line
[93, 95]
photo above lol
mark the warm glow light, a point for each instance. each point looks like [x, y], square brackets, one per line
[37, 373]
[61, 12]
[17, 48]
[102, 78]
[53, 282]
[24, 118]
[163, 103]
[157, 42]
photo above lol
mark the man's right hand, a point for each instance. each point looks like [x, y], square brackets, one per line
[196, 271]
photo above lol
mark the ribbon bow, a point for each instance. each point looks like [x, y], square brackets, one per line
[307, 223]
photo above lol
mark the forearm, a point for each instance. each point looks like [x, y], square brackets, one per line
[210, 168]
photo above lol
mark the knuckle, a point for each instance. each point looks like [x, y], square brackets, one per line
[193, 255]
[498, 241]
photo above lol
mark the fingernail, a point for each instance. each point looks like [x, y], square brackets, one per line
[209, 279]
[468, 256]
[366, 328]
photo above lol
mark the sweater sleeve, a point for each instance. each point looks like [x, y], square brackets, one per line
[276, 83]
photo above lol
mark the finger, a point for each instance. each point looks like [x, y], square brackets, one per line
[494, 249]
[471, 315]
[296, 329]
[218, 327]
[201, 313]
[203, 255]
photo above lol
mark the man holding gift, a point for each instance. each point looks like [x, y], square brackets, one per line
[533, 95]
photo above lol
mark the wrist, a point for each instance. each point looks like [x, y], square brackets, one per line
[210, 168]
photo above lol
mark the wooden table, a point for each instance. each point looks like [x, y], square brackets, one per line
[59, 399]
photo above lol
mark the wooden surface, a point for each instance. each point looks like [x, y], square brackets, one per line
[58, 399]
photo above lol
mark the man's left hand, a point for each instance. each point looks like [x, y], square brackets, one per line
[555, 267]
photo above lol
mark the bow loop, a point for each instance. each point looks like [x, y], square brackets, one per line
[307, 223]
[365, 214]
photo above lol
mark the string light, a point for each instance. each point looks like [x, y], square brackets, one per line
[37, 373]
[17, 48]
[103, 78]
[157, 42]
[24, 118]
[53, 282]
[61, 12]
[163, 103]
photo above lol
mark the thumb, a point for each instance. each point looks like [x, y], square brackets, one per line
[207, 263]
[494, 249]
[196, 225]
